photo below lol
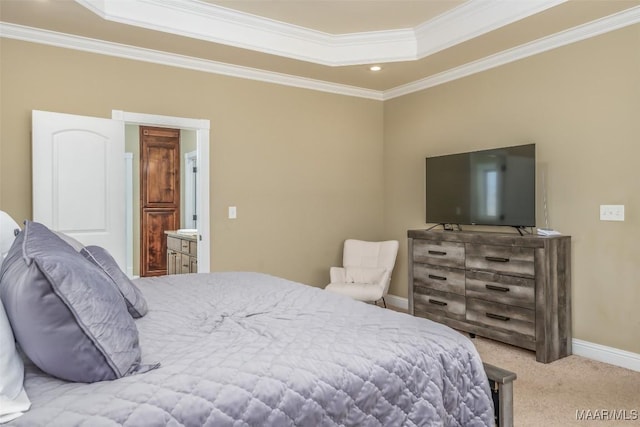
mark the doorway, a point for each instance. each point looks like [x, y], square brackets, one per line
[200, 129]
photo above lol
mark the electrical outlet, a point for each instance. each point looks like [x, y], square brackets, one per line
[232, 212]
[611, 212]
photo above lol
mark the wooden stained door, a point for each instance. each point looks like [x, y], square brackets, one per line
[159, 195]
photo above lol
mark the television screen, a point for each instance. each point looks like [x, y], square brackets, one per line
[488, 187]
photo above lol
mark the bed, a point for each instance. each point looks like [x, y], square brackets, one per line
[250, 349]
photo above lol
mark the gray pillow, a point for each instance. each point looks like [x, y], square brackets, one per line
[75, 244]
[65, 314]
[136, 303]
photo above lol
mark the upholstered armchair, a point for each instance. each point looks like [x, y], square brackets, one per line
[366, 269]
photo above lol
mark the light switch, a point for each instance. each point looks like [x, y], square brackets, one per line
[611, 212]
[232, 212]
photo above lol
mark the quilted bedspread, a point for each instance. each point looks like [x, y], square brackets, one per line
[248, 349]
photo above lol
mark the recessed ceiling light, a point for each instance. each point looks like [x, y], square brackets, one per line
[375, 68]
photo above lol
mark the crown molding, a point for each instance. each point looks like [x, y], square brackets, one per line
[210, 22]
[472, 19]
[572, 35]
[85, 44]
[582, 32]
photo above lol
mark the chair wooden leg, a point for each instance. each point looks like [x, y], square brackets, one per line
[384, 303]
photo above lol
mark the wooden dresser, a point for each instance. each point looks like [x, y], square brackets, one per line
[511, 288]
[182, 253]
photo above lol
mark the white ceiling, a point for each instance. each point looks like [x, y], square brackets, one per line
[324, 44]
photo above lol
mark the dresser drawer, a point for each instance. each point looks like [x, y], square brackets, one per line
[174, 243]
[432, 301]
[185, 264]
[505, 317]
[517, 289]
[499, 288]
[443, 279]
[447, 254]
[193, 248]
[511, 260]
[182, 245]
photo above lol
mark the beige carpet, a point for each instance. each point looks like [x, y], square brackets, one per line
[556, 394]
[551, 394]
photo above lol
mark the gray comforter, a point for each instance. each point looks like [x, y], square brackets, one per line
[247, 349]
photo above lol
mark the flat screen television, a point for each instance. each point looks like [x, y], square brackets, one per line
[488, 187]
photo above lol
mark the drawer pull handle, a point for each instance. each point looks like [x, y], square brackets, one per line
[497, 317]
[433, 276]
[496, 259]
[497, 288]
[436, 302]
[441, 253]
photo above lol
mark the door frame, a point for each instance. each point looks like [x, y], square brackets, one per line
[128, 209]
[202, 128]
[190, 186]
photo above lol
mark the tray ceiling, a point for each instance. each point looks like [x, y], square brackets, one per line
[329, 42]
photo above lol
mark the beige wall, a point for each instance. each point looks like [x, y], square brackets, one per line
[580, 104]
[304, 168]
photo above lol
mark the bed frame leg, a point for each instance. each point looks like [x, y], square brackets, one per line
[501, 383]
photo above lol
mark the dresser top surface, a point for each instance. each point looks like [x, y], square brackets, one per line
[484, 237]
[183, 236]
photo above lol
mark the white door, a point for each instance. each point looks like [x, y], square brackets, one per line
[79, 178]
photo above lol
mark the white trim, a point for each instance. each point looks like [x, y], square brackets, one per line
[589, 350]
[213, 23]
[473, 19]
[204, 242]
[582, 32]
[159, 120]
[573, 35]
[610, 355]
[189, 183]
[84, 44]
[128, 212]
[396, 301]
[201, 127]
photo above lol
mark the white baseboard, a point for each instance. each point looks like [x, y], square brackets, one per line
[610, 355]
[601, 353]
[399, 302]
